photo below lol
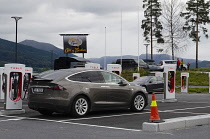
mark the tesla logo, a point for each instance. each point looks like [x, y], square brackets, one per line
[115, 67]
[93, 67]
[15, 67]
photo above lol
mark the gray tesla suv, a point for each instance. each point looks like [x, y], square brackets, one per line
[78, 91]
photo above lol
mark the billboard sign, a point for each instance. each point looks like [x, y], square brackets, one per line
[75, 44]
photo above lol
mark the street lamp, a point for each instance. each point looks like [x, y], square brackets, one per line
[16, 20]
[146, 49]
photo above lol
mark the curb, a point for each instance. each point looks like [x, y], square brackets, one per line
[11, 112]
[177, 123]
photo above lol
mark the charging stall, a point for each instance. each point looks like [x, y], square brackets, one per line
[184, 82]
[169, 84]
[92, 66]
[136, 75]
[1, 84]
[116, 68]
[13, 86]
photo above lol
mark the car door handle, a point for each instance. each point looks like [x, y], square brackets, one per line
[105, 86]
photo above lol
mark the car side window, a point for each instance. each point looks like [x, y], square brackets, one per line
[76, 77]
[94, 76]
[89, 76]
[111, 78]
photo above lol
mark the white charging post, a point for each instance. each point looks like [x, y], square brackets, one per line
[13, 77]
[27, 78]
[169, 89]
[92, 66]
[209, 82]
[184, 82]
[136, 75]
[116, 68]
[1, 83]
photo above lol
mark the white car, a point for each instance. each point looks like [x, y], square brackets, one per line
[170, 63]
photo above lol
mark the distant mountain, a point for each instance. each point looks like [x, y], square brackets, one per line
[27, 55]
[157, 58]
[45, 46]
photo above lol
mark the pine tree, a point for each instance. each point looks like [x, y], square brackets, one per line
[151, 25]
[196, 17]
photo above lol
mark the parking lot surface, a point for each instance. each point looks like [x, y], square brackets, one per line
[103, 124]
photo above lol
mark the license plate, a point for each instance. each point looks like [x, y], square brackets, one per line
[38, 90]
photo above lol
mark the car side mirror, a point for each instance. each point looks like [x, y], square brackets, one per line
[122, 83]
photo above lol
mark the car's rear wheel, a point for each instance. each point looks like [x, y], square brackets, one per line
[80, 106]
[138, 102]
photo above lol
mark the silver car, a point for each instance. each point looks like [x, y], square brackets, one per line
[78, 91]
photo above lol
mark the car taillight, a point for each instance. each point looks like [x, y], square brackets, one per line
[56, 87]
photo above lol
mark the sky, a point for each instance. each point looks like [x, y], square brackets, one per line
[44, 20]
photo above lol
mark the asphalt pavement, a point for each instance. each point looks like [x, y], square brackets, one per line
[121, 124]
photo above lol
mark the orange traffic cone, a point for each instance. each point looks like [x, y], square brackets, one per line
[154, 116]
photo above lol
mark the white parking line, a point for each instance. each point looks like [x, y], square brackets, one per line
[60, 121]
[105, 116]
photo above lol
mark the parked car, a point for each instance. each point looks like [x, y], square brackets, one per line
[132, 64]
[150, 83]
[170, 63]
[152, 65]
[78, 91]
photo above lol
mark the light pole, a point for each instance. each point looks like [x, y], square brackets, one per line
[146, 49]
[16, 20]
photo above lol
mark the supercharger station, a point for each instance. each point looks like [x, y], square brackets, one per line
[92, 66]
[1, 84]
[169, 89]
[136, 75]
[13, 80]
[116, 68]
[184, 82]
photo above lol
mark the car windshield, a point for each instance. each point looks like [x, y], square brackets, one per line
[142, 79]
[170, 62]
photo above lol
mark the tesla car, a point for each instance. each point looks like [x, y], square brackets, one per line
[78, 91]
[150, 83]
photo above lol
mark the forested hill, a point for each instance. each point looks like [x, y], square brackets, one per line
[27, 55]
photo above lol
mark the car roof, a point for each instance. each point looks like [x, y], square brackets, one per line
[57, 75]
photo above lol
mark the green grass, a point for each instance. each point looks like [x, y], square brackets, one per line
[197, 78]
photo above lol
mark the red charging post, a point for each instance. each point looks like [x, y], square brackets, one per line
[169, 84]
[116, 68]
[26, 80]
[13, 80]
[184, 82]
[92, 66]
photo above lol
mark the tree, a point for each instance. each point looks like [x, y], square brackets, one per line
[196, 16]
[173, 33]
[151, 25]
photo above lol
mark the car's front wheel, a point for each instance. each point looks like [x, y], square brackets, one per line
[80, 106]
[138, 102]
